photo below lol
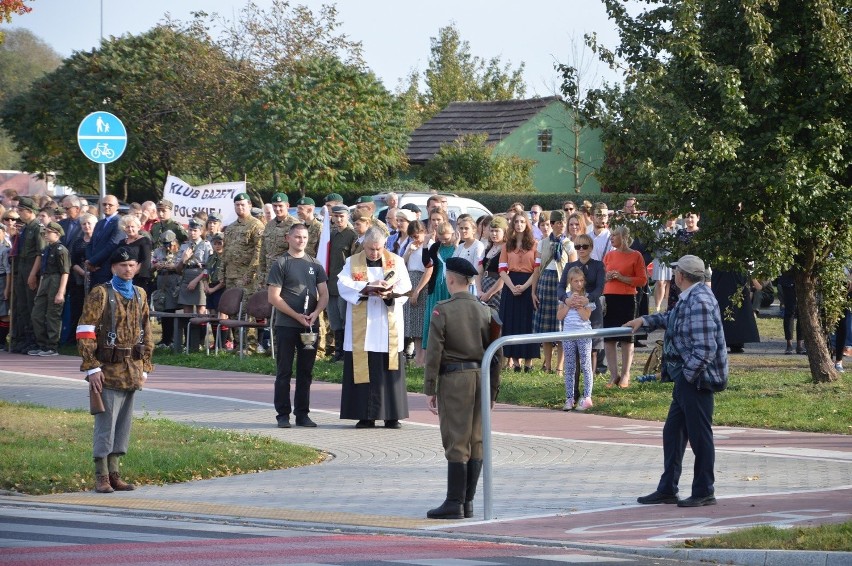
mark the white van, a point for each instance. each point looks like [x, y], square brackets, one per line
[456, 205]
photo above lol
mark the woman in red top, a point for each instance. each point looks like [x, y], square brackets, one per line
[518, 262]
[625, 271]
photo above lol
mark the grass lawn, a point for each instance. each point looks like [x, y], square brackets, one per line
[765, 390]
[835, 537]
[50, 451]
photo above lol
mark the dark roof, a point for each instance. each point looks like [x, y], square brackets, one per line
[498, 119]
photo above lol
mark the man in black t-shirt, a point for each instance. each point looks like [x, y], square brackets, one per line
[298, 290]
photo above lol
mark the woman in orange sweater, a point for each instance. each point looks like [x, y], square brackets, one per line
[625, 271]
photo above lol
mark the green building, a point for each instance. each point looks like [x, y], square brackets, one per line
[540, 129]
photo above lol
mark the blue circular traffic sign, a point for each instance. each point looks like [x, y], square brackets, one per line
[102, 137]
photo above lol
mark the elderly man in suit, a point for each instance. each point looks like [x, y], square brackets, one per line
[105, 240]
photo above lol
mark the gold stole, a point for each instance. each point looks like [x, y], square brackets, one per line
[358, 266]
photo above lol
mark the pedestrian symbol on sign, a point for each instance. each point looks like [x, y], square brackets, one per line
[102, 137]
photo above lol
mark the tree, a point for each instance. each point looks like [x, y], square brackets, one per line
[10, 7]
[741, 111]
[323, 126]
[469, 164]
[23, 59]
[456, 75]
[174, 92]
[577, 81]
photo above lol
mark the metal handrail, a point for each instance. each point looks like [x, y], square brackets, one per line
[485, 385]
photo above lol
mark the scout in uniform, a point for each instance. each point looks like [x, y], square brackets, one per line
[26, 252]
[55, 265]
[459, 334]
[164, 212]
[367, 205]
[164, 260]
[114, 341]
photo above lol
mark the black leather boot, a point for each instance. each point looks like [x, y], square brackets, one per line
[474, 468]
[453, 506]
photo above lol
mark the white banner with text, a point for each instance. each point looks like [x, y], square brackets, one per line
[214, 198]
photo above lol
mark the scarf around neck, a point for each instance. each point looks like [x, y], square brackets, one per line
[124, 288]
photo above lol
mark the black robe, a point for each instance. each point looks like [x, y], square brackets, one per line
[738, 322]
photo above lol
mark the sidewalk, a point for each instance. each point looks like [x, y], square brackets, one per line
[559, 478]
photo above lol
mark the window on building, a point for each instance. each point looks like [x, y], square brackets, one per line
[545, 140]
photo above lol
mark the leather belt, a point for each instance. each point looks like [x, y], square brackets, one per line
[458, 366]
[493, 274]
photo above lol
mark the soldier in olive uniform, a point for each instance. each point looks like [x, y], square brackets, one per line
[164, 212]
[55, 265]
[453, 358]
[241, 258]
[367, 205]
[26, 252]
[274, 240]
[164, 260]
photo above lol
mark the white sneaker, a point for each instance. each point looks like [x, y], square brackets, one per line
[45, 353]
[569, 405]
[585, 403]
[261, 349]
[34, 352]
[839, 367]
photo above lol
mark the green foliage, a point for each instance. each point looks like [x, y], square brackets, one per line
[23, 59]
[456, 75]
[740, 111]
[322, 127]
[830, 537]
[470, 164]
[50, 451]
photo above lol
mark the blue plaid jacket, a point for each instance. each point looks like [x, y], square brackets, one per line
[694, 330]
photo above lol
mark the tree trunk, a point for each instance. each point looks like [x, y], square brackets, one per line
[816, 341]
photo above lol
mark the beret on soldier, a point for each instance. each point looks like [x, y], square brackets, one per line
[55, 227]
[27, 202]
[339, 209]
[333, 197]
[365, 198]
[242, 196]
[306, 200]
[461, 266]
[280, 197]
[124, 253]
[165, 204]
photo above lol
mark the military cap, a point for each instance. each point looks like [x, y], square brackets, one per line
[195, 224]
[280, 197]
[218, 237]
[339, 209]
[257, 212]
[306, 200]
[557, 216]
[167, 237]
[333, 197]
[499, 222]
[242, 196]
[461, 266]
[213, 217]
[125, 253]
[27, 202]
[55, 227]
[365, 198]
[360, 215]
[412, 207]
[164, 203]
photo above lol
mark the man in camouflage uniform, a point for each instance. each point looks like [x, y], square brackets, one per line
[274, 239]
[116, 368]
[241, 258]
[164, 212]
[366, 205]
[305, 209]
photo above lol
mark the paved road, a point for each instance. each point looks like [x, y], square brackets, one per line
[569, 478]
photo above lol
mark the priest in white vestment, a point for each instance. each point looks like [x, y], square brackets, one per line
[374, 283]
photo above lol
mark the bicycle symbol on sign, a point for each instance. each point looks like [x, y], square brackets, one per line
[102, 150]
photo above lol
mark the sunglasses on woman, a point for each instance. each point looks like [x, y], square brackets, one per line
[582, 246]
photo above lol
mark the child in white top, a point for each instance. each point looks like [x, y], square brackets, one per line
[575, 311]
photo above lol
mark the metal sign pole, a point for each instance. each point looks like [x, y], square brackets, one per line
[102, 180]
